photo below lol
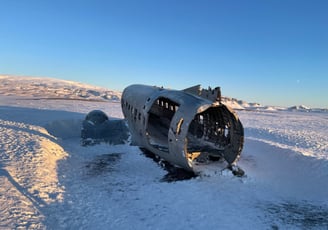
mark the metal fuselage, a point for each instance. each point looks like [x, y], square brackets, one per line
[186, 127]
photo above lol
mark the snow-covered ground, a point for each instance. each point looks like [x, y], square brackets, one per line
[49, 181]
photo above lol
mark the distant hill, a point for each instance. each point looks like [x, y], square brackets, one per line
[49, 88]
[303, 108]
[239, 104]
[299, 108]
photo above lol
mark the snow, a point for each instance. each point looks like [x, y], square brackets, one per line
[49, 181]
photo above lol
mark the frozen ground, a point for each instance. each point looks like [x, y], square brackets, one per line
[49, 181]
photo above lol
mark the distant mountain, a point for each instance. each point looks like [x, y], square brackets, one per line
[300, 108]
[303, 108]
[49, 88]
[243, 105]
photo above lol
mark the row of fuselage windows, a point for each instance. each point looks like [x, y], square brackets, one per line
[133, 111]
[167, 104]
[161, 102]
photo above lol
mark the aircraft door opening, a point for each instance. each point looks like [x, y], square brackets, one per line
[159, 119]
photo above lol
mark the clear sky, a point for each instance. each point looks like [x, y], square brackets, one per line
[274, 52]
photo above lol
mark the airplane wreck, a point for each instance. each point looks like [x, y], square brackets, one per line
[189, 128]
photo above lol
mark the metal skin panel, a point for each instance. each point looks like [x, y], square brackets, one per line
[182, 127]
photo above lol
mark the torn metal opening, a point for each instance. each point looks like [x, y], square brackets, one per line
[213, 134]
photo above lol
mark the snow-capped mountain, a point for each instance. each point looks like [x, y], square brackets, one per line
[50, 88]
[239, 104]
[32, 87]
[299, 108]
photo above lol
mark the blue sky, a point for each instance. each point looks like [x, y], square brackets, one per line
[274, 52]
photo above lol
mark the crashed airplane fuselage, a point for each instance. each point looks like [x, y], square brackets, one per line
[188, 128]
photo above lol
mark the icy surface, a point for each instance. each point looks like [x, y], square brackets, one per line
[48, 180]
